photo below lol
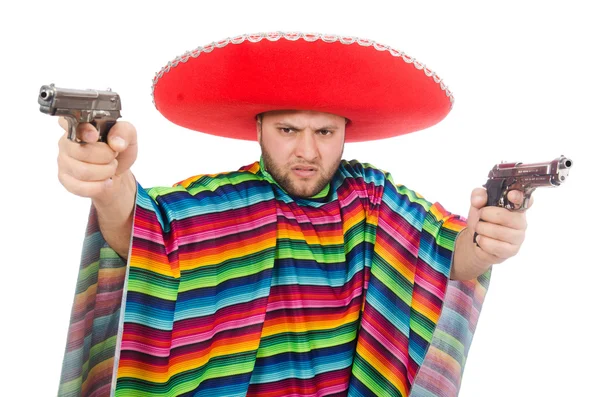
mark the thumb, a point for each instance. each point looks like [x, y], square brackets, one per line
[122, 139]
[478, 201]
[479, 198]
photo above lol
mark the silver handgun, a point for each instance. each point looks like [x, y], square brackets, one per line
[505, 177]
[100, 108]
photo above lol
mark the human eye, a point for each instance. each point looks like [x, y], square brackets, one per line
[286, 130]
[324, 132]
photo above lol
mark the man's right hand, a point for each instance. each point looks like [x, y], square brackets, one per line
[94, 168]
[101, 171]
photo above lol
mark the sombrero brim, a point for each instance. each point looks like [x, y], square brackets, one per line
[220, 88]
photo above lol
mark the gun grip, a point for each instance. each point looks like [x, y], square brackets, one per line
[103, 127]
[495, 189]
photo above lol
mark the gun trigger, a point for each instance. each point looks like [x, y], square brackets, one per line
[526, 198]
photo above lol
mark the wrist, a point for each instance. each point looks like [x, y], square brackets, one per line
[115, 213]
[115, 208]
[466, 263]
[119, 187]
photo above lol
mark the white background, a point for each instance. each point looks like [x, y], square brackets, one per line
[526, 82]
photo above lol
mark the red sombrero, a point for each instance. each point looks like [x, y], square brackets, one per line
[221, 87]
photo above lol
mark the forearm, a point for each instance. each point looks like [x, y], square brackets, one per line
[465, 263]
[115, 213]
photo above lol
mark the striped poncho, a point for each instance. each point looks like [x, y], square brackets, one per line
[233, 288]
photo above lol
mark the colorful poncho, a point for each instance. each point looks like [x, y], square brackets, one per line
[233, 288]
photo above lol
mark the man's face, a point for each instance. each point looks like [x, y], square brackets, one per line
[301, 149]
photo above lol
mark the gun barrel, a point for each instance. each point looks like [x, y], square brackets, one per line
[52, 98]
[552, 172]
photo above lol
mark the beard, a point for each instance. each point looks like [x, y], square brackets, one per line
[301, 189]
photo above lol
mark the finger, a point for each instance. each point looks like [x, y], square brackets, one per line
[121, 136]
[517, 197]
[87, 172]
[81, 188]
[496, 249]
[85, 132]
[482, 255]
[504, 217]
[478, 200]
[479, 197]
[500, 233]
[94, 153]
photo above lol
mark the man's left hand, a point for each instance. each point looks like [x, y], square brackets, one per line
[500, 234]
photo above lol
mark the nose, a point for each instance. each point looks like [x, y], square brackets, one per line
[306, 146]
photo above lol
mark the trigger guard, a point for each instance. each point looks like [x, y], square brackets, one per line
[72, 128]
[523, 207]
[509, 205]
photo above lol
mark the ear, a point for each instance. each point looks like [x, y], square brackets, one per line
[258, 128]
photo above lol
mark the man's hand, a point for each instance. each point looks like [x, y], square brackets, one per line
[500, 233]
[101, 172]
[89, 169]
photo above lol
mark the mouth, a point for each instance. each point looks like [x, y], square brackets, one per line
[304, 171]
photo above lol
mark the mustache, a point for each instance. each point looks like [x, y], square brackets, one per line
[304, 164]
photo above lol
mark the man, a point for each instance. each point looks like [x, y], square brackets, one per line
[301, 274]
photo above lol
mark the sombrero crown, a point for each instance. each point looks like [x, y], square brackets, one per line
[221, 87]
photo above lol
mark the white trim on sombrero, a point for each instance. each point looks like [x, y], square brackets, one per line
[293, 36]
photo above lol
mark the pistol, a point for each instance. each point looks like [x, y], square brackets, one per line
[100, 108]
[505, 177]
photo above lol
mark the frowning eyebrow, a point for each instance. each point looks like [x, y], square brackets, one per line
[330, 127]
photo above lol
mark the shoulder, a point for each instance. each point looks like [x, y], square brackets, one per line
[354, 169]
[206, 194]
[372, 175]
[242, 178]
[383, 189]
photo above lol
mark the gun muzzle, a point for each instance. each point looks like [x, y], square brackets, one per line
[46, 99]
[562, 170]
